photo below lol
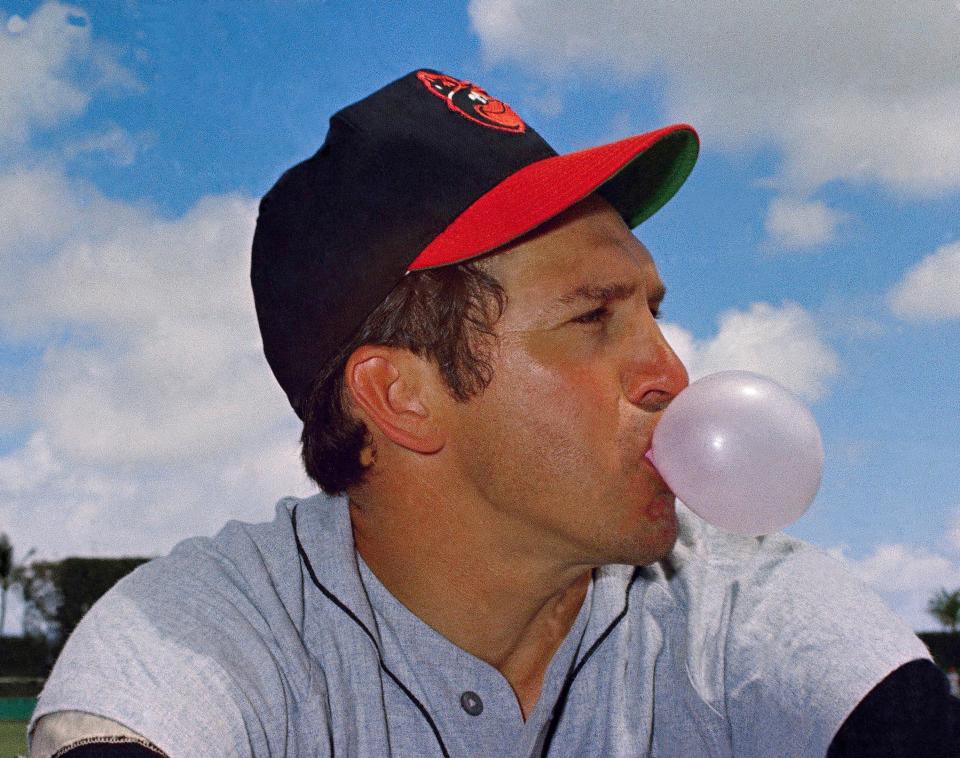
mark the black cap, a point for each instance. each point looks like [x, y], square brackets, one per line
[427, 171]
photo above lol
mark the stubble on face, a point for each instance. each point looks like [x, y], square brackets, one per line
[553, 446]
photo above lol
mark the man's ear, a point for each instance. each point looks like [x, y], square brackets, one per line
[397, 391]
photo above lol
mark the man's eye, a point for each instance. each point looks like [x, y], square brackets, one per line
[597, 315]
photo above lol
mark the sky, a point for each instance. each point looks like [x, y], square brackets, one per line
[817, 240]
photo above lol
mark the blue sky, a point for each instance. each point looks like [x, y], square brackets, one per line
[817, 240]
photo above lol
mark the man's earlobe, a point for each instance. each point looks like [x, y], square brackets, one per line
[391, 387]
[368, 455]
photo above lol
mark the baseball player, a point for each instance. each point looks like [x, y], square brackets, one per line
[467, 327]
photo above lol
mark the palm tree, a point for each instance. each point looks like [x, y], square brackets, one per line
[945, 607]
[9, 574]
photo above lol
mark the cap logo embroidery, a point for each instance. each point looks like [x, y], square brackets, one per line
[473, 103]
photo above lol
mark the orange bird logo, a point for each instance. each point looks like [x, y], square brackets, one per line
[472, 102]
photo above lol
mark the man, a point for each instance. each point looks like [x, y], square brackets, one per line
[467, 328]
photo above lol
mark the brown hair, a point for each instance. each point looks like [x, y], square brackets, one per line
[445, 314]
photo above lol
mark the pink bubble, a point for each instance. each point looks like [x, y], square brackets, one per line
[740, 451]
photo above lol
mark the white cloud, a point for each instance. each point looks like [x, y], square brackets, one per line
[906, 578]
[13, 625]
[930, 291]
[115, 144]
[155, 416]
[42, 62]
[548, 104]
[29, 467]
[856, 91]
[101, 508]
[782, 343]
[16, 24]
[41, 212]
[165, 357]
[794, 224]
[14, 411]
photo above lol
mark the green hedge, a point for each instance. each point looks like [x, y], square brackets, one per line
[944, 647]
[20, 687]
[25, 657]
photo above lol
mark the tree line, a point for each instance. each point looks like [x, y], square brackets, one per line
[57, 594]
[944, 606]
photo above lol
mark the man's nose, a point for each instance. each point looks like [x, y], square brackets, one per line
[653, 374]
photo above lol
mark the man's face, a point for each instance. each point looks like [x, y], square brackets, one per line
[554, 447]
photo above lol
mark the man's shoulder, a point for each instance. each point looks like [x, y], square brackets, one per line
[705, 558]
[765, 625]
[212, 631]
[737, 595]
[252, 559]
[244, 580]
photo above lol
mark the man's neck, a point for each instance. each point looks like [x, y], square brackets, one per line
[504, 608]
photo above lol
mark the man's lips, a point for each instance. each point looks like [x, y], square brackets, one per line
[648, 458]
[647, 462]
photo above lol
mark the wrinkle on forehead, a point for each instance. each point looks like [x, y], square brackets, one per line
[589, 247]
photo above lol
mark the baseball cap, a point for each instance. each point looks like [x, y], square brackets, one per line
[428, 171]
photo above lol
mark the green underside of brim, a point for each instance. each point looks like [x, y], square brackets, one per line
[644, 185]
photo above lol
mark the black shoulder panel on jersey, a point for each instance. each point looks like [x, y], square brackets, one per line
[910, 713]
[109, 747]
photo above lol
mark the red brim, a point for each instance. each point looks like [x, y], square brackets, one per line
[538, 192]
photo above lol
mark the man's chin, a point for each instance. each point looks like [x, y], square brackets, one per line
[662, 538]
[651, 542]
[662, 506]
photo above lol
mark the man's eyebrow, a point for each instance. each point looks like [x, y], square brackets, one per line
[605, 293]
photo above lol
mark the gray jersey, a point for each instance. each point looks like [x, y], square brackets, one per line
[274, 639]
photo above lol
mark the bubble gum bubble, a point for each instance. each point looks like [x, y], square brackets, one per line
[740, 451]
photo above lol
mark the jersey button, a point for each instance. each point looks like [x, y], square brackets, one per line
[471, 703]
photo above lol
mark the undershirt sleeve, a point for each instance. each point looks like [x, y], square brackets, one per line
[910, 713]
[57, 733]
[110, 748]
